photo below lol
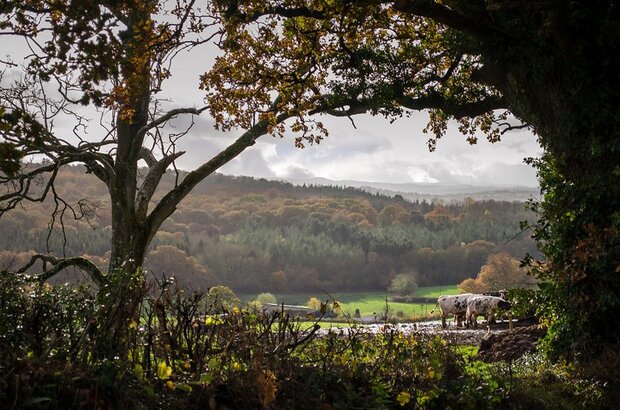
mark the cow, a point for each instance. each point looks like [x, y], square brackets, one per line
[482, 305]
[453, 305]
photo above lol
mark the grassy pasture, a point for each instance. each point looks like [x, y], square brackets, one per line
[370, 303]
[436, 291]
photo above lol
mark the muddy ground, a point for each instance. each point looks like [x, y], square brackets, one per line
[497, 341]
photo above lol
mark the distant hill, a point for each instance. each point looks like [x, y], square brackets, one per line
[430, 191]
[258, 235]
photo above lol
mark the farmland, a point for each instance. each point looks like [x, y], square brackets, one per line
[369, 303]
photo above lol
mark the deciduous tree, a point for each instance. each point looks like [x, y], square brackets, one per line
[115, 57]
[553, 65]
[403, 284]
[500, 272]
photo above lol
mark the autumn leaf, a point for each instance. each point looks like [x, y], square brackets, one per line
[163, 370]
[403, 398]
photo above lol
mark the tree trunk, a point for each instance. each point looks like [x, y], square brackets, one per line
[568, 91]
[122, 294]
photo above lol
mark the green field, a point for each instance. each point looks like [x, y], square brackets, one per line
[370, 303]
[436, 291]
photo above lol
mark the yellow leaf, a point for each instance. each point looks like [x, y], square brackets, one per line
[170, 385]
[139, 372]
[163, 370]
[403, 398]
[212, 321]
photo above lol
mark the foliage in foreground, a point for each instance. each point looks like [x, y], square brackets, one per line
[181, 353]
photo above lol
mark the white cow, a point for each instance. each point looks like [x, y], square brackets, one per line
[453, 305]
[481, 305]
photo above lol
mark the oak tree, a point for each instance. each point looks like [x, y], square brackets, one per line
[553, 65]
[550, 64]
[115, 58]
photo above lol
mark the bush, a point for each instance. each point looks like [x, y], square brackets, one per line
[40, 320]
[403, 285]
[182, 354]
[525, 302]
[264, 298]
[314, 303]
[222, 298]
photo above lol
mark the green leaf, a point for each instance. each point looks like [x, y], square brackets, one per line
[206, 378]
[184, 387]
[213, 363]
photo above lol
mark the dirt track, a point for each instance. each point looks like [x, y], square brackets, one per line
[451, 333]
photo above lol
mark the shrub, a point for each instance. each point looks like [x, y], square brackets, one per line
[40, 320]
[264, 298]
[183, 354]
[222, 298]
[314, 303]
[525, 302]
[403, 285]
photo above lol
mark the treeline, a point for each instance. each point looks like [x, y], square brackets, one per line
[255, 235]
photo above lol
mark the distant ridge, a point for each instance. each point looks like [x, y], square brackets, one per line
[429, 191]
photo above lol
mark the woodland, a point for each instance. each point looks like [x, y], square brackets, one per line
[266, 236]
[89, 87]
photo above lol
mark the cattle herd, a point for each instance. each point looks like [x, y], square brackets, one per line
[467, 307]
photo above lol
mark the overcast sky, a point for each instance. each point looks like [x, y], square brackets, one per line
[374, 151]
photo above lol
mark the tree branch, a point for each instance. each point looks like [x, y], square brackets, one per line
[430, 101]
[457, 110]
[148, 157]
[59, 264]
[22, 185]
[169, 202]
[168, 116]
[474, 26]
[149, 185]
[233, 12]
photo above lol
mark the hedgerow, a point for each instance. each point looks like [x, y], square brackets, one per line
[183, 352]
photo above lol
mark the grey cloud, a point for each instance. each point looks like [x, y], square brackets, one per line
[250, 162]
[510, 174]
[441, 172]
[197, 152]
[520, 142]
[297, 172]
[495, 173]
